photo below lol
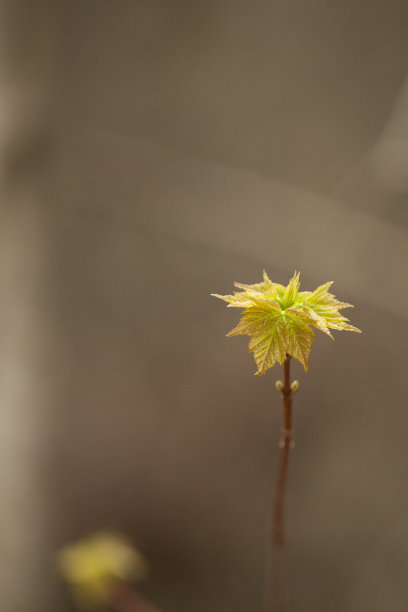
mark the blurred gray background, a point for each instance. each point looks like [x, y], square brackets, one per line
[154, 152]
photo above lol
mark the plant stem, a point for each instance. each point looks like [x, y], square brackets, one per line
[285, 444]
[275, 601]
[125, 598]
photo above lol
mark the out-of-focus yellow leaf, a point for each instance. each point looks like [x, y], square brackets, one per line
[93, 564]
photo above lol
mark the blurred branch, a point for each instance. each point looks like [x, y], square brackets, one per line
[125, 598]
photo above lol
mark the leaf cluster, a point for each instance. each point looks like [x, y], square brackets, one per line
[92, 566]
[280, 319]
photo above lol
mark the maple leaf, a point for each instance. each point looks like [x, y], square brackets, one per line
[92, 565]
[279, 319]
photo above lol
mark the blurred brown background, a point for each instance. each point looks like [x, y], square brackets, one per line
[154, 152]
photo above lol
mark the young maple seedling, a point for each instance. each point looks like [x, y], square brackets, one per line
[279, 320]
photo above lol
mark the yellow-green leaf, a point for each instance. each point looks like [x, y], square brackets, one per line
[291, 291]
[256, 318]
[279, 319]
[91, 566]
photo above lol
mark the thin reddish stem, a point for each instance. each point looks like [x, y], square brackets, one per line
[286, 442]
[276, 592]
[125, 598]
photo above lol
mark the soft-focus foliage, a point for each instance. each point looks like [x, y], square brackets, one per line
[92, 565]
[279, 319]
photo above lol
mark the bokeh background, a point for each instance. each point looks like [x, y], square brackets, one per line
[154, 152]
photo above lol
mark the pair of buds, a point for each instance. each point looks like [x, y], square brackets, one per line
[293, 387]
